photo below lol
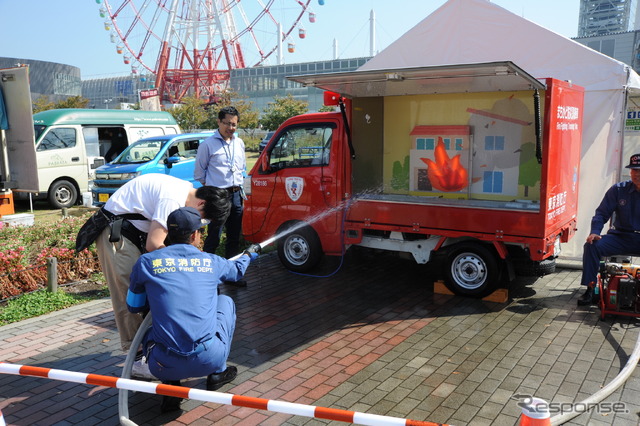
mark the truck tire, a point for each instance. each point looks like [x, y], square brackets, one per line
[530, 268]
[62, 194]
[300, 250]
[471, 270]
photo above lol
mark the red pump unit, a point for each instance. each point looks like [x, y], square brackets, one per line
[619, 288]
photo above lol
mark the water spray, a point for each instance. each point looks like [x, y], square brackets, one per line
[342, 205]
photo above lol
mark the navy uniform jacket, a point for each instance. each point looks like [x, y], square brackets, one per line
[179, 283]
[622, 201]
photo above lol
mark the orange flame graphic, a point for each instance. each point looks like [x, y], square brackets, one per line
[446, 174]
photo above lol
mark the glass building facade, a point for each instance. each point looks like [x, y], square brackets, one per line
[51, 79]
[113, 92]
[261, 84]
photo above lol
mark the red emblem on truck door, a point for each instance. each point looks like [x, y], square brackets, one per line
[294, 186]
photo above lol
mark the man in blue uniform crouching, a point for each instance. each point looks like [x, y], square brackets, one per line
[192, 324]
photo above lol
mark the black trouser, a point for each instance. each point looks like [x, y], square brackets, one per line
[233, 227]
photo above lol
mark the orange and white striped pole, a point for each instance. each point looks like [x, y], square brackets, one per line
[210, 396]
[535, 412]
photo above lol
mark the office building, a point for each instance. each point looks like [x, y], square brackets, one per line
[600, 17]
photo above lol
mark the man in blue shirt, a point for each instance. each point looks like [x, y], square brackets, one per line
[221, 162]
[622, 202]
[192, 324]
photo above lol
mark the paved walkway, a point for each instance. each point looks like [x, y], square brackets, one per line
[371, 338]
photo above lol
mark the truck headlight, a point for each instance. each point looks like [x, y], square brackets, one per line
[129, 176]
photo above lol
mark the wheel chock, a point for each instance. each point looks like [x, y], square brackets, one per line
[501, 295]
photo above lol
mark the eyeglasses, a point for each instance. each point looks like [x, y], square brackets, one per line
[229, 124]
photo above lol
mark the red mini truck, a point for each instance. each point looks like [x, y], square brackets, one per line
[474, 165]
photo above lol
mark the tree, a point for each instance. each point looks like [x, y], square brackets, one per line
[190, 115]
[73, 102]
[42, 104]
[327, 108]
[530, 169]
[280, 110]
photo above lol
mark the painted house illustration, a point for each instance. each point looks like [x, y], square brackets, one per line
[498, 143]
[424, 140]
[491, 155]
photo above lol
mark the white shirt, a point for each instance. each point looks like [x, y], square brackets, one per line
[153, 195]
[220, 163]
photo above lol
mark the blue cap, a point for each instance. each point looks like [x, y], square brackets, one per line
[185, 220]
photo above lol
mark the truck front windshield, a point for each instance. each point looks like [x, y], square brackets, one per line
[140, 152]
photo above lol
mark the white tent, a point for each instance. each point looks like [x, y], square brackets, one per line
[470, 31]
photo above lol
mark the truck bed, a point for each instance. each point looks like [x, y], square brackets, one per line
[524, 205]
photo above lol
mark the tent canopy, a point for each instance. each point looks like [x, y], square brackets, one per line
[468, 31]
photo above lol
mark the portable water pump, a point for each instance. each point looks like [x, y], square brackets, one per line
[619, 288]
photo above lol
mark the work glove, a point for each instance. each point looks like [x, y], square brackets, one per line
[253, 251]
[254, 248]
[253, 256]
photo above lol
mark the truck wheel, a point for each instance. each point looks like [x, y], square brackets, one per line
[62, 194]
[530, 268]
[300, 250]
[471, 270]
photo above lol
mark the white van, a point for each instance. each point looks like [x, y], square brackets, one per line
[72, 143]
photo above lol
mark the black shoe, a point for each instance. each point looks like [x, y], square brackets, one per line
[170, 403]
[586, 298]
[216, 380]
[239, 283]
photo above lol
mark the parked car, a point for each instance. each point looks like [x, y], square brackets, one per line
[173, 155]
[265, 141]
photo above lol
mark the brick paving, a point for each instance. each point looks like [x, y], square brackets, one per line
[371, 337]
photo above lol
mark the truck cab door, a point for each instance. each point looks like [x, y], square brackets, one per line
[301, 174]
[60, 152]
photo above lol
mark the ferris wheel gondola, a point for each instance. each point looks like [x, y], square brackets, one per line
[192, 45]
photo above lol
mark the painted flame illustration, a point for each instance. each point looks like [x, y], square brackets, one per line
[446, 174]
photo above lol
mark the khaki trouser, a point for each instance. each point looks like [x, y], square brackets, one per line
[117, 260]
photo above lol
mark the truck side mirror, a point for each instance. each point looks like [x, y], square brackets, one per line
[264, 163]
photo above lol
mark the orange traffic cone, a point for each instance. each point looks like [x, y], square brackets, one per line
[535, 413]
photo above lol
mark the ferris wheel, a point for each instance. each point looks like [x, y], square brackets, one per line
[191, 46]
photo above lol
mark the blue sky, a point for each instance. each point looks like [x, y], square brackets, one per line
[72, 32]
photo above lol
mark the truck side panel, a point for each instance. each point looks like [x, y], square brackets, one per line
[506, 195]
[561, 168]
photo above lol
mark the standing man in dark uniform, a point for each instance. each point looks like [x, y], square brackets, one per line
[221, 162]
[622, 202]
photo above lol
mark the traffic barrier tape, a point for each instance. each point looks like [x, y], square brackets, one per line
[210, 396]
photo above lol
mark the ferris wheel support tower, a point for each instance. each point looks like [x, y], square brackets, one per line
[197, 70]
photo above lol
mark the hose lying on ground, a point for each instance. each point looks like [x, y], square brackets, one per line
[597, 397]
